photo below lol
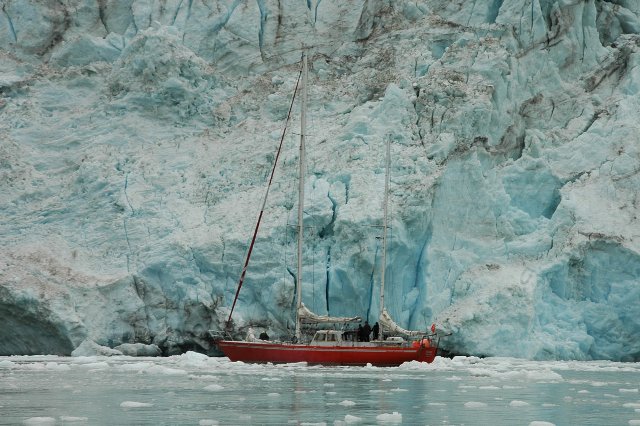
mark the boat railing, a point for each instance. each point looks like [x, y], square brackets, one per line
[219, 335]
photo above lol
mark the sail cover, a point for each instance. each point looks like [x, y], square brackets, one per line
[390, 326]
[308, 317]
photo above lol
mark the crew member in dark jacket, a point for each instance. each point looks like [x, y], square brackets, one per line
[366, 331]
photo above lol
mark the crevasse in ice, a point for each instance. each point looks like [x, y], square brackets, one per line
[136, 138]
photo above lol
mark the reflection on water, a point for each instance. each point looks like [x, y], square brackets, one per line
[194, 389]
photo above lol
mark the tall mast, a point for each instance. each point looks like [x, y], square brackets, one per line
[384, 225]
[303, 130]
[264, 203]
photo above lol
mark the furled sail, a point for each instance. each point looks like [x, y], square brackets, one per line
[308, 317]
[390, 327]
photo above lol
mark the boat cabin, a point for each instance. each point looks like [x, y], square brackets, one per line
[327, 337]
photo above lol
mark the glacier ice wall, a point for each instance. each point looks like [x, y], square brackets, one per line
[136, 137]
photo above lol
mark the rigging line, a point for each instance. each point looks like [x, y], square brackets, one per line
[281, 54]
[264, 201]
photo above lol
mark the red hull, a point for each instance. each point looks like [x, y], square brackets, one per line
[326, 355]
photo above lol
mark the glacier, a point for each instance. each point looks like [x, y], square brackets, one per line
[136, 138]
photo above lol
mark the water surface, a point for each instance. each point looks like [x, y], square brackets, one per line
[195, 389]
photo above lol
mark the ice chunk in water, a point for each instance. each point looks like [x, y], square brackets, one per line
[135, 404]
[40, 421]
[389, 418]
[214, 388]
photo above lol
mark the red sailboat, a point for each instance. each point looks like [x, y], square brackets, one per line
[327, 347]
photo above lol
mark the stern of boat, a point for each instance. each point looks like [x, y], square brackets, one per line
[427, 347]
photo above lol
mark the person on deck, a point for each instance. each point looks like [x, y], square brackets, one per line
[366, 331]
[360, 333]
[376, 331]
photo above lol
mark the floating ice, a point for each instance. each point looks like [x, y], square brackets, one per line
[6, 364]
[389, 418]
[499, 402]
[135, 404]
[191, 358]
[139, 349]
[72, 419]
[475, 404]
[91, 348]
[214, 388]
[40, 421]
[134, 366]
[538, 375]
[204, 377]
[57, 367]
[350, 420]
[84, 359]
[208, 422]
[162, 370]
[94, 365]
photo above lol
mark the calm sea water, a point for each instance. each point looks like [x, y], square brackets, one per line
[192, 389]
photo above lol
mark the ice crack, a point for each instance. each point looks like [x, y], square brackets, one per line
[263, 22]
[327, 284]
[102, 6]
[10, 23]
[126, 195]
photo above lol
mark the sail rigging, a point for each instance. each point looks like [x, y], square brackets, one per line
[303, 131]
[264, 202]
[384, 224]
[303, 314]
[389, 326]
